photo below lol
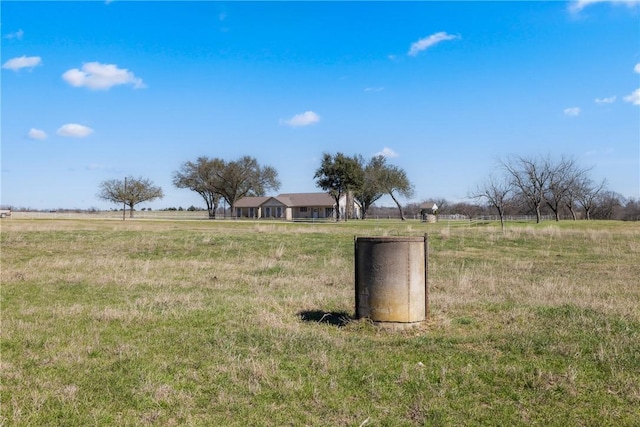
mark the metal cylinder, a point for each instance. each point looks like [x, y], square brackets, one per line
[391, 280]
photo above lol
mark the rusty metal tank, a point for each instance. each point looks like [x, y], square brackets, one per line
[391, 280]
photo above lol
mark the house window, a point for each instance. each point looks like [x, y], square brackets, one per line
[238, 212]
[267, 212]
[251, 212]
[303, 209]
[279, 212]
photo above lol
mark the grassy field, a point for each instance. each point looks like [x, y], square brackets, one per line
[210, 323]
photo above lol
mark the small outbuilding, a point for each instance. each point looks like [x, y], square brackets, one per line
[428, 211]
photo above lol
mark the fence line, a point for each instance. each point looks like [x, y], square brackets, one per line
[459, 220]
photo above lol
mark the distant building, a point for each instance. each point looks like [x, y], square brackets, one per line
[292, 206]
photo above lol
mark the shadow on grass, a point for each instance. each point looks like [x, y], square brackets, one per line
[336, 318]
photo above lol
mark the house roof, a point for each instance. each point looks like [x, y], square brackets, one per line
[428, 205]
[251, 202]
[290, 200]
[306, 199]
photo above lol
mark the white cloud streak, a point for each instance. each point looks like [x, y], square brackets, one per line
[579, 5]
[634, 98]
[636, 69]
[36, 134]
[17, 35]
[75, 130]
[16, 64]
[304, 119]
[388, 153]
[609, 100]
[572, 112]
[429, 41]
[97, 76]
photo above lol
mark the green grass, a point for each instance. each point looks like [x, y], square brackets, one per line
[249, 323]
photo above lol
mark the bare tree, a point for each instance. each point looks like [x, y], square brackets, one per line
[530, 176]
[201, 176]
[245, 177]
[130, 191]
[496, 192]
[215, 179]
[563, 178]
[588, 194]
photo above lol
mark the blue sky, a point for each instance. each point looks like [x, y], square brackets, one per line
[99, 90]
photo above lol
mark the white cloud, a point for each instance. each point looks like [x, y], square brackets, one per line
[388, 153]
[17, 35]
[97, 76]
[16, 64]
[374, 89]
[429, 41]
[609, 100]
[634, 98]
[572, 112]
[75, 130]
[304, 119]
[637, 68]
[577, 6]
[36, 134]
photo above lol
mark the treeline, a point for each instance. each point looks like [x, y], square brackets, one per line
[608, 206]
[539, 184]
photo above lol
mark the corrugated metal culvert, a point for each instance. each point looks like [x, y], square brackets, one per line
[391, 280]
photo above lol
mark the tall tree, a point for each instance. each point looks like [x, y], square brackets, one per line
[370, 191]
[496, 193]
[245, 177]
[338, 175]
[215, 179]
[129, 191]
[201, 176]
[394, 182]
[530, 176]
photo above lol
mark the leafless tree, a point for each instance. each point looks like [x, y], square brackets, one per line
[496, 192]
[245, 177]
[564, 177]
[588, 195]
[530, 176]
[201, 176]
[215, 179]
[129, 191]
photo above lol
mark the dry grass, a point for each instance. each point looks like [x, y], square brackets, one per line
[224, 323]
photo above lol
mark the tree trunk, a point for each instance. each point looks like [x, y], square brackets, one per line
[337, 199]
[131, 211]
[397, 204]
[501, 214]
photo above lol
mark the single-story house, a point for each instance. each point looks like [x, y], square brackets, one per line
[291, 206]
